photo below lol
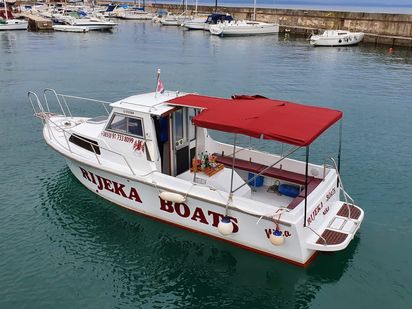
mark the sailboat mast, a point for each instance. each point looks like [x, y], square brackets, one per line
[254, 10]
[5, 10]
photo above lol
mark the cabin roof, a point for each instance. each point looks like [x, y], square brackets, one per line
[151, 102]
[261, 117]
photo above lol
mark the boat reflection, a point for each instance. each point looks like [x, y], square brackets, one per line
[149, 261]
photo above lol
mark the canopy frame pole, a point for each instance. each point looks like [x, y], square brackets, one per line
[306, 185]
[233, 163]
[340, 146]
[266, 168]
[195, 167]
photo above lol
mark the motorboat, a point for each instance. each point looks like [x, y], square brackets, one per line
[197, 23]
[70, 28]
[92, 22]
[174, 20]
[136, 15]
[202, 23]
[13, 24]
[153, 154]
[8, 22]
[244, 27]
[336, 38]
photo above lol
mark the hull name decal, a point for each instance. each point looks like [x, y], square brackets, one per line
[111, 185]
[209, 218]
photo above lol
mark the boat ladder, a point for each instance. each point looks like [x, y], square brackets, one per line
[339, 231]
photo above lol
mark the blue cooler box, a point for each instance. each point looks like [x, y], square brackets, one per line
[257, 182]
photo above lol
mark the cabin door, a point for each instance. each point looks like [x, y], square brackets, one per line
[183, 133]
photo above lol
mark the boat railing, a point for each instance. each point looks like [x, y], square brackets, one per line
[346, 196]
[44, 114]
[92, 145]
[62, 100]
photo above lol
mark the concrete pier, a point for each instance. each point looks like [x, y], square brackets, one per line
[37, 23]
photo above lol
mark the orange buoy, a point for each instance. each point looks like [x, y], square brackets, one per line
[390, 50]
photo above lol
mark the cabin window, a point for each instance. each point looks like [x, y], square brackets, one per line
[85, 143]
[192, 134]
[178, 126]
[126, 125]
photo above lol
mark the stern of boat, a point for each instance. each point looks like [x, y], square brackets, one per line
[336, 234]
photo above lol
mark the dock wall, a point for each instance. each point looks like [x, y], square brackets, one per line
[379, 28]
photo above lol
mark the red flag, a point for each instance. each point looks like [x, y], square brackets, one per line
[160, 87]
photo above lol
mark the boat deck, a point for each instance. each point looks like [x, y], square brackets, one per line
[276, 173]
[331, 237]
[354, 212]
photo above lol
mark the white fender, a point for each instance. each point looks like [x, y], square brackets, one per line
[225, 226]
[277, 238]
[172, 197]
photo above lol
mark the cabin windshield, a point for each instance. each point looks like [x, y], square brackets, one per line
[126, 125]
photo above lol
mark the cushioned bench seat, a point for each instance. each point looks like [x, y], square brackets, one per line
[275, 173]
[271, 172]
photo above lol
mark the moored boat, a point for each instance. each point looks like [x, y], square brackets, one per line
[91, 23]
[70, 28]
[174, 20]
[201, 23]
[336, 38]
[8, 22]
[244, 27]
[152, 154]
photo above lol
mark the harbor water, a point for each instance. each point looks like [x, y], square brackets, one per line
[62, 246]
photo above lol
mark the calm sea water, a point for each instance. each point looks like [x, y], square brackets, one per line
[61, 246]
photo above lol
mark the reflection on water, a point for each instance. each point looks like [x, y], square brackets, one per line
[151, 263]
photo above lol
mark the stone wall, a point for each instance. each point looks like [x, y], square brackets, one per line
[382, 28]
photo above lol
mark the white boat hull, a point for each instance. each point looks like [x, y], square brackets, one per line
[137, 16]
[194, 26]
[194, 214]
[68, 28]
[174, 21]
[14, 24]
[244, 29]
[345, 40]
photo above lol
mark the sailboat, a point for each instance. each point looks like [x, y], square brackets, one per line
[176, 20]
[136, 13]
[8, 22]
[244, 27]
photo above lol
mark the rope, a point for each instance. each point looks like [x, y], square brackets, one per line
[272, 216]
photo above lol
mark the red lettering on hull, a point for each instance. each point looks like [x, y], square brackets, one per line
[184, 211]
[111, 186]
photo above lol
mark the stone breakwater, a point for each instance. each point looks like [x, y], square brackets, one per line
[379, 28]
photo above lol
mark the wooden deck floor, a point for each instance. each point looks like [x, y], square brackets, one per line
[354, 212]
[332, 237]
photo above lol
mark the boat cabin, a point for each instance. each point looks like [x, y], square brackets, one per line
[215, 18]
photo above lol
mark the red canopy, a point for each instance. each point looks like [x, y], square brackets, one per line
[260, 117]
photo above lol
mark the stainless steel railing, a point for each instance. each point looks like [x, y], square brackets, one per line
[44, 114]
